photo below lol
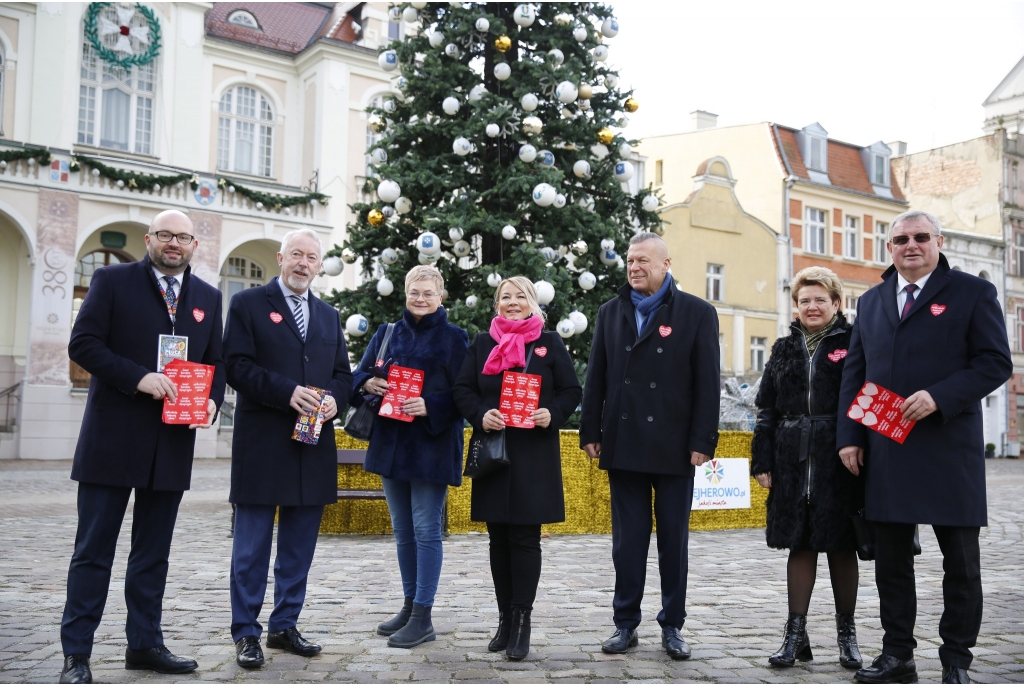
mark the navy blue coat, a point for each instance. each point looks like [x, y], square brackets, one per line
[953, 344]
[265, 361]
[429, 448]
[123, 439]
[651, 400]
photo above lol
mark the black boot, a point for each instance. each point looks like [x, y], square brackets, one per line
[846, 631]
[519, 637]
[418, 630]
[795, 643]
[390, 626]
[500, 640]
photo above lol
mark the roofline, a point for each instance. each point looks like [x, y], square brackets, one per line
[781, 151]
[970, 235]
[703, 130]
[286, 54]
[989, 100]
[942, 147]
[851, 191]
[830, 138]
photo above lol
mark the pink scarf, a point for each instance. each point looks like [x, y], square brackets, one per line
[511, 337]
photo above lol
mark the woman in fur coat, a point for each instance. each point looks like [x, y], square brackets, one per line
[794, 452]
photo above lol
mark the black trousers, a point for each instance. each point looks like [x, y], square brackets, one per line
[961, 590]
[515, 564]
[101, 510]
[631, 539]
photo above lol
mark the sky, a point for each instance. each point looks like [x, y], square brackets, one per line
[866, 71]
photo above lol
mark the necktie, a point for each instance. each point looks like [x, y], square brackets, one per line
[171, 297]
[910, 300]
[300, 321]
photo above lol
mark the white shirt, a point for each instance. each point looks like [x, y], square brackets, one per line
[901, 292]
[288, 293]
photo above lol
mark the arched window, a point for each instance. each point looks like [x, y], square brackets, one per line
[238, 274]
[372, 138]
[245, 19]
[84, 270]
[245, 137]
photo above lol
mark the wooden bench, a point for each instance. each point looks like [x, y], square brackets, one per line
[356, 457]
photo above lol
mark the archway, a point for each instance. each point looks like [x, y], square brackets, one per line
[15, 289]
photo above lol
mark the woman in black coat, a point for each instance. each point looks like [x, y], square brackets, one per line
[514, 502]
[794, 453]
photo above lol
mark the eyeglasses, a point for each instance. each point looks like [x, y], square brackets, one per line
[414, 295]
[167, 236]
[918, 238]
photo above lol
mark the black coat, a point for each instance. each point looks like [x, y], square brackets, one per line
[530, 490]
[652, 400]
[429, 448]
[266, 360]
[953, 344]
[813, 495]
[123, 439]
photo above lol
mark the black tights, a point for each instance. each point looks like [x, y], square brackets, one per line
[515, 564]
[801, 571]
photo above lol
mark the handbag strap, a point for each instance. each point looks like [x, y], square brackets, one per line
[384, 343]
[529, 356]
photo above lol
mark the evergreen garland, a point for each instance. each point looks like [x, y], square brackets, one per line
[133, 179]
[269, 200]
[110, 56]
[39, 154]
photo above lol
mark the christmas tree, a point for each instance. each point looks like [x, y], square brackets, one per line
[503, 155]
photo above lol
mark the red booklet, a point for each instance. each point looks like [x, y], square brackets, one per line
[193, 382]
[879, 410]
[403, 384]
[520, 393]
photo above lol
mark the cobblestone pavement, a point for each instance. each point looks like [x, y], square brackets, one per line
[737, 603]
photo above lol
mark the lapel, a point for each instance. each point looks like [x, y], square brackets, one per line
[651, 324]
[183, 281]
[938, 280]
[277, 301]
[888, 294]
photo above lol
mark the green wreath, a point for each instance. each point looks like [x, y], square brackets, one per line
[110, 56]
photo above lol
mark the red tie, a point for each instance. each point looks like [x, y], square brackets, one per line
[910, 300]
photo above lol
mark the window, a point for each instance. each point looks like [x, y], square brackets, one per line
[659, 172]
[238, 274]
[1013, 184]
[115, 106]
[716, 282]
[850, 307]
[1019, 340]
[881, 162]
[758, 348]
[814, 227]
[881, 236]
[245, 132]
[394, 30]
[850, 237]
[372, 138]
[245, 19]
[818, 154]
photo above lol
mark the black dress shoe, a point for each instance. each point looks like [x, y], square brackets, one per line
[249, 653]
[76, 669]
[952, 674]
[888, 669]
[674, 644]
[157, 659]
[290, 640]
[621, 640]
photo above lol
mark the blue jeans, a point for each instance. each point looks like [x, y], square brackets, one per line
[415, 508]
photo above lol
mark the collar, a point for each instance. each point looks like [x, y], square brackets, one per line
[626, 289]
[288, 292]
[902, 283]
[431, 320]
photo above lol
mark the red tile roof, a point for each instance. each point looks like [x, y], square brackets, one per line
[286, 26]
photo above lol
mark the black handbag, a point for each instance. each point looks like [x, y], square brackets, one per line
[359, 420]
[864, 531]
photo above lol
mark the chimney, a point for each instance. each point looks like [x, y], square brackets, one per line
[702, 119]
[898, 147]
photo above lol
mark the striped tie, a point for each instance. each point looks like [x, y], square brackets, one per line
[910, 300]
[171, 297]
[300, 321]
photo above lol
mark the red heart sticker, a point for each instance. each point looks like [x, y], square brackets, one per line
[938, 309]
[837, 355]
[276, 318]
[199, 315]
[541, 351]
[665, 331]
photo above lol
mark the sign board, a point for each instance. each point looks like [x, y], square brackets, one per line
[722, 484]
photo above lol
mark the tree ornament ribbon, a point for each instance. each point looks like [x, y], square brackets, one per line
[124, 54]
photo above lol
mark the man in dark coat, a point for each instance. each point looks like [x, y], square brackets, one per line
[279, 342]
[124, 444]
[650, 413]
[936, 337]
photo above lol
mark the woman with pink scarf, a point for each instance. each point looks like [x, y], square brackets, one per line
[514, 502]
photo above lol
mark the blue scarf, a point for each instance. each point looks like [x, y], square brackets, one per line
[647, 304]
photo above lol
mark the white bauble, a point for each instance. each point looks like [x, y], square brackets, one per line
[527, 153]
[410, 14]
[532, 126]
[529, 102]
[545, 292]
[461, 147]
[388, 256]
[333, 266]
[395, 14]
[579, 247]
[609, 257]
[388, 191]
[389, 106]
[581, 168]
[508, 233]
[403, 205]
[388, 211]
[549, 254]
[378, 155]
[436, 39]
[493, 130]
[622, 121]
[625, 151]
[567, 113]
[524, 16]
[401, 83]
[611, 80]
[607, 244]
[544, 195]
[426, 259]
[456, 233]
[584, 105]
[560, 200]
[557, 56]
[502, 71]
[471, 301]
[545, 158]
[476, 93]
[357, 325]
[450, 106]
[494, 279]
[579, 320]
[610, 27]
[418, 5]
[385, 287]
[586, 202]
[482, 24]
[650, 203]
[563, 19]
[348, 256]
[580, 34]
[452, 50]
[587, 280]
[623, 171]
[388, 60]
[600, 53]
[428, 243]
[566, 92]
[566, 328]
[460, 248]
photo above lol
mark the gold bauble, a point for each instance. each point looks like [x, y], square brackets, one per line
[375, 217]
[586, 92]
[605, 136]
[631, 105]
[502, 43]
[659, 229]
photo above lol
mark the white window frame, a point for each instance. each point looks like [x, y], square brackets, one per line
[881, 237]
[817, 144]
[815, 231]
[850, 307]
[1019, 326]
[240, 271]
[881, 176]
[230, 124]
[1018, 253]
[851, 236]
[758, 353]
[97, 77]
[3, 65]
[245, 19]
[715, 278]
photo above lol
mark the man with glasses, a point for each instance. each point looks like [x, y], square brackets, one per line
[135, 317]
[936, 337]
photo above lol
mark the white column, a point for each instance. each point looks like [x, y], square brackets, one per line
[739, 345]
